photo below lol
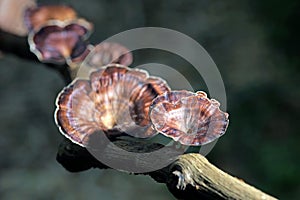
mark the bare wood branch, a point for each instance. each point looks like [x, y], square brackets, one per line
[199, 178]
[191, 176]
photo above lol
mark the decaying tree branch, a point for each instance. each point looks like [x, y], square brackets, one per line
[18, 46]
[196, 177]
[190, 176]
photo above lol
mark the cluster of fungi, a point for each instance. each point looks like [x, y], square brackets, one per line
[115, 98]
[112, 100]
[120, 99]
[57, 35]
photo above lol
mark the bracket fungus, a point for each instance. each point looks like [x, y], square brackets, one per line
[189, 118]
[118, 99]
[114, 99]
[107, 53]
[36, 17]
[100, 55]
[58, 41]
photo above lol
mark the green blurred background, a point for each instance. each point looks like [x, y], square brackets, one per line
[255, 45]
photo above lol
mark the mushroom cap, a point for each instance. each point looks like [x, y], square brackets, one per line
[115, 98]
[57, 41]
[38, 16]
[103, 54]
[106, 53]
[189, 118]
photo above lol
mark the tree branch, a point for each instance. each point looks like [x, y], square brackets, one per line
[194, 177]
[190, 176]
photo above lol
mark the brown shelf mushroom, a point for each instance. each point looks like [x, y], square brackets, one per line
[57, 40]
[100, 55]
[106, 53]
[36, 17]
[189, 118]
[114, 99]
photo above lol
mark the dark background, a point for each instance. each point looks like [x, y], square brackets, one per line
[255, 45]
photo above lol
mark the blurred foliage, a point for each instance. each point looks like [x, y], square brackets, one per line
[255, 46]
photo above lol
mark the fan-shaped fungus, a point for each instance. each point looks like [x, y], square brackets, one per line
[57, 41]
[115, 98]
[189, 118]
[36, 17]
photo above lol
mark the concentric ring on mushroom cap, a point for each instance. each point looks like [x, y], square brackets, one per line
[115, 98]
[57, 40]
[189, 118]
